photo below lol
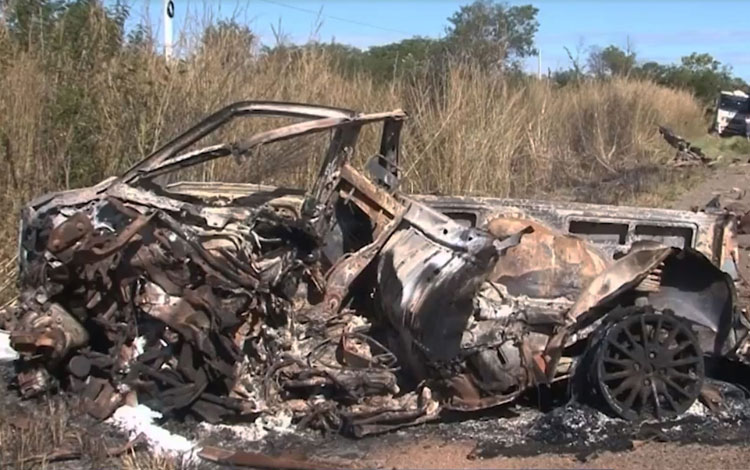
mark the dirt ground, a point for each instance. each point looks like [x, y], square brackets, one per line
[721, 182]
[731, 184]
[648, 456]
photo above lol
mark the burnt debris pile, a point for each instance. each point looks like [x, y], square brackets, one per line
[352, 306]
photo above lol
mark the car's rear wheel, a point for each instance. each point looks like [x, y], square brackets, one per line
[649, 365]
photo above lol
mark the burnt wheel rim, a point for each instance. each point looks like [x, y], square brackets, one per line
[650, 365]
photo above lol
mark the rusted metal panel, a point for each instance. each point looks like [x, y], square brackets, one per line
[614, 228]
[546, 264]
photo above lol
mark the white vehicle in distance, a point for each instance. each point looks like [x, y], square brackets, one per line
[732, 114]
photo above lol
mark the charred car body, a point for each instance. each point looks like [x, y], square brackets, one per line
[354, 306]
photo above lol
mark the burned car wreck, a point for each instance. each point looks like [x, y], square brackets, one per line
[353, 306]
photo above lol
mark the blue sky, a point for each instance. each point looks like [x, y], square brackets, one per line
[657, 30]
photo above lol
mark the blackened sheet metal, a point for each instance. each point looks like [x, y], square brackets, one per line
[430, 256]
[226, 115]
[622, 275]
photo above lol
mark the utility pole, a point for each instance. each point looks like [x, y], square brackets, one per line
[3, 6]
[539, 64]
[168, 17]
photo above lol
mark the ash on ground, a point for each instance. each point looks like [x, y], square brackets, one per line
[584, 431]
[516, 431]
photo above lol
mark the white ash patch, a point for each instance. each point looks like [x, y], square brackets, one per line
[139, 345]
[7, 353]
[135, 420]
[697, 409]
[279, 423]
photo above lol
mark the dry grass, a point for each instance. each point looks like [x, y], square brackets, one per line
[489, 136]
[31, 436]
[70, 120]
[145, 461]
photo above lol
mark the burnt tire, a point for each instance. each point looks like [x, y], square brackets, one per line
[648, 365]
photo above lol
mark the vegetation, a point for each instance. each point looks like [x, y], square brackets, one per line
[35, 437]
[497, 37]
[83, 99]
[492, 33]
[727, 149]
[699, 74]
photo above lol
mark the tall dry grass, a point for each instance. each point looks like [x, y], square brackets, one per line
[71, 119]
[484, 135]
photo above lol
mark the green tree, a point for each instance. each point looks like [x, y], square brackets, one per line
[611, 61]
[31, 21]
[225, 39]
[73, 41]
[493, 33]
[402, 58]
[229, 31]
[653, 71]
[566, 77]
[700, 73]
[699, 63]
[345, 58]
[705, 75]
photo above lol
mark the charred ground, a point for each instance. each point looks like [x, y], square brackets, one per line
[562, 435]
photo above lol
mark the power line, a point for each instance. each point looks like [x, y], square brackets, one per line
[337, 18]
